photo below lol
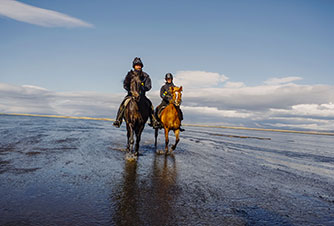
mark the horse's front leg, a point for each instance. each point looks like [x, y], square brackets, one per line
[128, 134]
[177, 134]
[130, 139]
[138, 137]
[166, 140]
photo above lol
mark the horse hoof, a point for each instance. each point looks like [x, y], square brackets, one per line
[131, 157]
[160, 152]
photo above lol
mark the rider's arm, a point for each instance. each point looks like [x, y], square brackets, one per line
[126, 82]
[147, 85]
[164, 94]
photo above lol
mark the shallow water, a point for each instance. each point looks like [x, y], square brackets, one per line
[72, 172]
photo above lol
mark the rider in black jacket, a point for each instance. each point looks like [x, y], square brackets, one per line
[146, 86]
[166, 97]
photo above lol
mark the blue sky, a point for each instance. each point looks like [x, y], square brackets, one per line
[247, 41]
[233, 50]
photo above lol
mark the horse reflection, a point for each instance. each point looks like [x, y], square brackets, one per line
[127, 198]
[165, 190]
[147, 197]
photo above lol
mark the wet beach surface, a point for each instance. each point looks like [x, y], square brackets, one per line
[73, 172]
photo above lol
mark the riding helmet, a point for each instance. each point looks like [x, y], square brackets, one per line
[168, 76]
[137, 61]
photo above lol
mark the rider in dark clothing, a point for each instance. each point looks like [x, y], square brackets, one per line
[145, 79]
[166, 97]
[145, 86]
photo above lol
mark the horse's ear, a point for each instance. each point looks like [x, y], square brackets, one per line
[180, 89]
[171, 89]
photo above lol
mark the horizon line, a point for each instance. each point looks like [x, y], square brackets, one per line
[190, 125]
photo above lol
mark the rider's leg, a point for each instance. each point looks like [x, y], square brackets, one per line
[158, 110]
[120, 113]
[153, 121]
[180, 114]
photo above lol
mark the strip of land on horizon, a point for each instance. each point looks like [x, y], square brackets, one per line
[190, 125]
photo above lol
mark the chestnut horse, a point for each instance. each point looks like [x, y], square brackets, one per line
[136, 114]
[170, 119]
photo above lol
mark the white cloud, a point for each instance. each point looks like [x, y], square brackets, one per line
[212, 111]
[234, 84]
[32, 99]
[277, 81]
[34, 87]
[38, 16]
[198, 79]
[261, 97]
[291, 119]
[311, 110]
[280, 106]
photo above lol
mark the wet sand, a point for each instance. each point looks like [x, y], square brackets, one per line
[73, 172]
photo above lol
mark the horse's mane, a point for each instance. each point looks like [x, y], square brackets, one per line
[133, 105]
[135, 86]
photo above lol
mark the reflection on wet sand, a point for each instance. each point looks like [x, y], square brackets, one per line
[147, 199]
[164, 184]
[127, 198]
[66, 172]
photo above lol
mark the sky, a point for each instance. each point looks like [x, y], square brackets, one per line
[261, 63]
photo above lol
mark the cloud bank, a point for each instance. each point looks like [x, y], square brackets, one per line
[38, 16]
[208, 98]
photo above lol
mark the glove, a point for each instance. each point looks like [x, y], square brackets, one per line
[142, 86]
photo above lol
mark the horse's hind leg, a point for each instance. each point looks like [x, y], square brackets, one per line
[166, 140]
[177, 133]
[156, 137]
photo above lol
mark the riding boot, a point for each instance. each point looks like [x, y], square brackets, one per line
[153, 121]
[119, 117]
[180, 113]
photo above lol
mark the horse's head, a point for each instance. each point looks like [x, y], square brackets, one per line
[135, 87]
[176, 95]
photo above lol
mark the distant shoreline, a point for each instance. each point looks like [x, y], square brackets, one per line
[190, 125]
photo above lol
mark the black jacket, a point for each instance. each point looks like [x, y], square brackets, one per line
[164, 92]
[144, 77]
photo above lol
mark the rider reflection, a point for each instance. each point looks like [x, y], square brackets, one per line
[147, 197]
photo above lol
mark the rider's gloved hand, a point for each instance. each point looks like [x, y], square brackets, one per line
[142, 86]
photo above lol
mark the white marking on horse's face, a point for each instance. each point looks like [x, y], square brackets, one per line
[178, 98]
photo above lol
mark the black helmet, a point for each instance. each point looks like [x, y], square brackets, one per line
[137, 61]
[168, 76]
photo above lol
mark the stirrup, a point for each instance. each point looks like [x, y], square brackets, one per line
[117, 124]
[155, 124]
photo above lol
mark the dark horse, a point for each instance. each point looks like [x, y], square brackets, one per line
[136, 114]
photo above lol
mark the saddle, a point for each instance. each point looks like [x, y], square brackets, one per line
[159, 111]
